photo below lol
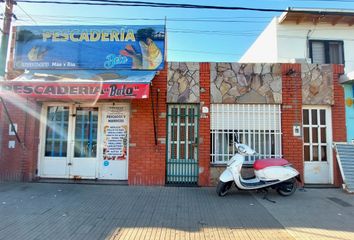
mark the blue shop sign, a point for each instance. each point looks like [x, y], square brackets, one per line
[90, 47]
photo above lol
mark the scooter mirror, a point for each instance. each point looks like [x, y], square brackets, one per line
[236, 138]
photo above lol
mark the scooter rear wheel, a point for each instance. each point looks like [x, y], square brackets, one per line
[223, 188]
[287, 188]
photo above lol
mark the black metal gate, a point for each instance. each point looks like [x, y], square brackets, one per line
[182, 144]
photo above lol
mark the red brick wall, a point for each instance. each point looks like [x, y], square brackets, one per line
[338, 119]
[204, 126]
[20, 163]
[147, 161]
[292, 114]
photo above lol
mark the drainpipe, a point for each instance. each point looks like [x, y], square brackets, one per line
[308, 45]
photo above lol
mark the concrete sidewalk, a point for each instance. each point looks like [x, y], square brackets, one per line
[69, 211]
[315, 213]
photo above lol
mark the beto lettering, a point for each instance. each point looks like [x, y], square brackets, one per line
[112, 60]
[115, 91]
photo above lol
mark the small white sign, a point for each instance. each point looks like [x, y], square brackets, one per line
[12, 144]
[11, 131]
[205, 110]
[296, 130]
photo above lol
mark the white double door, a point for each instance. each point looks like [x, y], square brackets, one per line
[71, 144]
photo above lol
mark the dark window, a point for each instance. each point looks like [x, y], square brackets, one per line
[326, 52]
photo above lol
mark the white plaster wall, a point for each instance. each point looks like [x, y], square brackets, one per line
[287, 42]
[292, 40]
[264, 49]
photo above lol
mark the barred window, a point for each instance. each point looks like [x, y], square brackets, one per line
[257, 125]
[323, 51]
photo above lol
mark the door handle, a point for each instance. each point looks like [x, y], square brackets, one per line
[70, 164]
[195, 144]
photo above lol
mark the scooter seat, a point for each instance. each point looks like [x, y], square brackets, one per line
[269, 162]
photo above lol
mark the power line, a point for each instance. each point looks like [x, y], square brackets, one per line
[219, 34]
[65, 18]
[243, 33]
[27, 14]
[174, 5]
[212, 31]
[204, 52]
[197, 31]
[155, 19]
[168, 18]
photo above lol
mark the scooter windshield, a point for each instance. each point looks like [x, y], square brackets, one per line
[245, 150]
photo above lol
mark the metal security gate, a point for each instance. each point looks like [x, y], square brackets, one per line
[182, 144]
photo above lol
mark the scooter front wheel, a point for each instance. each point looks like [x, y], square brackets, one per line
[287, 188]
[223, 188]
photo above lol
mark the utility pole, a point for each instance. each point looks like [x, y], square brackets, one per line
[5, 31]
[5, 35]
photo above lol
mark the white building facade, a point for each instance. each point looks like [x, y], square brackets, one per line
[314, 36]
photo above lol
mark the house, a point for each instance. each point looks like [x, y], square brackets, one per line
[302, 35]
[311, 36]
[172, 126]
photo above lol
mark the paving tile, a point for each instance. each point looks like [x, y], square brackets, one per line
[311, 214]
[77, 211]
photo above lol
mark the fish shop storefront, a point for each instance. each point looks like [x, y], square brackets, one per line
[79, 103]
[111, 110]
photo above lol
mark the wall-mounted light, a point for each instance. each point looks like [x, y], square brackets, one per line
[290, 72]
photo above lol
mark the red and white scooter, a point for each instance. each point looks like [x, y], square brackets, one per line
[276, 173]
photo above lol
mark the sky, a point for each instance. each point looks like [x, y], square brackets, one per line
[196, 35]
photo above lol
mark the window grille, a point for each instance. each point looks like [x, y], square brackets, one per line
[324, 51]
[257, 125]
